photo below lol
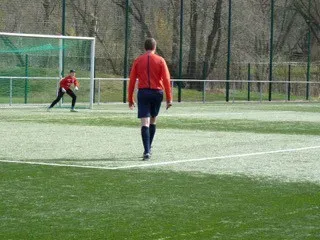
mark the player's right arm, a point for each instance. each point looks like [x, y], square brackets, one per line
[63, 85]
[62, 81]
[132, 83]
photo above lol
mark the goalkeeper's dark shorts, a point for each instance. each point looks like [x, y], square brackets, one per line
[149, 102]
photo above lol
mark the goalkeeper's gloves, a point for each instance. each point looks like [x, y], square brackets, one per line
[76, 88]
[63, 90]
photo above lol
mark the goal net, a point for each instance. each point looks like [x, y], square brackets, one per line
[31, 67]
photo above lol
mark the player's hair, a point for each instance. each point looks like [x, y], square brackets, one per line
[150, 44]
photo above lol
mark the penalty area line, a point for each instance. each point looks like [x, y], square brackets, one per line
[151, 164]
[219, 157]
[55, 164]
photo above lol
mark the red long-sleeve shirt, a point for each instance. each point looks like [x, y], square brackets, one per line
[68, 81]
[152, 72]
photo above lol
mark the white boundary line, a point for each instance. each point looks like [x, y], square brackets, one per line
[165, 163]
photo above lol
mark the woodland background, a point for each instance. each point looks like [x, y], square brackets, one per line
[205, 32]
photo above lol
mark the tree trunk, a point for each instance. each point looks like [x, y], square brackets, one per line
[11, 46]
[175, 39]
[193, 22]
[46, 6]
[209, 57]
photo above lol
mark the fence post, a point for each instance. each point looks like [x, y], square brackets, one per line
[233, 91]
[229, 51]
[180, 53]
[10, 93]
[99, 92]
[61, 64]
[204, 76]
[63, 32]
[309, 53]
[249, 79]
[94, 83]
[289, 84]
[271, 50]
[26, 80]
[57, 92]
[260, 86]
[125, 67]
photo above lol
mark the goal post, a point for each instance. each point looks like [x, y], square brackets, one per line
[31, 66]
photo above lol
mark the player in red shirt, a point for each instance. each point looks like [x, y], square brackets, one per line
[65, 85]
[153, 77]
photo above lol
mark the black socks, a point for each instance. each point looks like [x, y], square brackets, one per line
[152, 130]
[145, 134]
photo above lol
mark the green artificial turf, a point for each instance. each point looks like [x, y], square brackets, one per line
[266, 196]
[263, 124]
[43, 202]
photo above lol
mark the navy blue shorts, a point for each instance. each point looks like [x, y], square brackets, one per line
[149, 102]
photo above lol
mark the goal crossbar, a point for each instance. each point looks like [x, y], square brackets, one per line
[45, 36]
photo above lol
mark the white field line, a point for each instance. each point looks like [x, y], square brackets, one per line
[151, 164]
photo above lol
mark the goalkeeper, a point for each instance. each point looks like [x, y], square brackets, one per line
[153, 78]
[65, 85]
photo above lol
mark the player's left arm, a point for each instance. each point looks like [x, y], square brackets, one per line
[166, 83]
[76, 84]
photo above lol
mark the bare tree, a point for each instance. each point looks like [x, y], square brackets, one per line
[8, 43]
[138, 15]
[89, 20]
[312, 19]
[213, 46]
[49, 6]
[193, 23]
[205, 30]
[287, 19]
[175, 37]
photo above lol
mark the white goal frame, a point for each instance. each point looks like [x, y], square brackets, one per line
[92, 53]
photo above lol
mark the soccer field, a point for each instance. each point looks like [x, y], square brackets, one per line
[218, 171]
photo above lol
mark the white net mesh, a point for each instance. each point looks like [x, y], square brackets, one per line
[31, 67]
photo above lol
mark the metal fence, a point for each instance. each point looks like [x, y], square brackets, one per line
[267, 40]
[41, 90]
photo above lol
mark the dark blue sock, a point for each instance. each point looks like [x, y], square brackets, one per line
[152, 130]
[145, 134]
